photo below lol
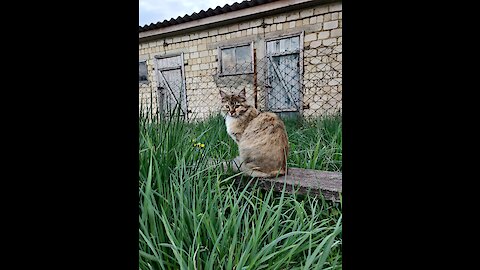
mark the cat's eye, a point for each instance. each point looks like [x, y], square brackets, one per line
[236, 106]
[226, 106]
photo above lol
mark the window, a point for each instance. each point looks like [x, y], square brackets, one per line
[285, 45]
[235, 60]
[142, 72]
[284, 71]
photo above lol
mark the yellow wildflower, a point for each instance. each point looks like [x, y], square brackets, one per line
[199, 145]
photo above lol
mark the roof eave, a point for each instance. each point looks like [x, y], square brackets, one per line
[229, 18]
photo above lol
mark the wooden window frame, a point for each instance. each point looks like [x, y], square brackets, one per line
[219, 50]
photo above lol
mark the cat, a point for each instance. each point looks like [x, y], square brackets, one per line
[261, 138]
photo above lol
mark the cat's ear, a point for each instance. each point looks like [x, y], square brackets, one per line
[222, 94]
[242, 93]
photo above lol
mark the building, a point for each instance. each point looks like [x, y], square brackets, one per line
[287, 54]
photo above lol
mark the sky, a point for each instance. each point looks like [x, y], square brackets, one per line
[153, 11]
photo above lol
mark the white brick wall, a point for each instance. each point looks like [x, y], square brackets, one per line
[322, 30]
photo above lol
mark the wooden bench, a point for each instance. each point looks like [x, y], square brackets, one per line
[314, 182]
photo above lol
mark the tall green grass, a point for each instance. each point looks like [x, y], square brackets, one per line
[315, 143]
[193, 216]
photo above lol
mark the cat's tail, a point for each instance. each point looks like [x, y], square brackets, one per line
[237, 165]
[260, 174]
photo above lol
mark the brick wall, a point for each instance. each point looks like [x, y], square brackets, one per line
[322, 58]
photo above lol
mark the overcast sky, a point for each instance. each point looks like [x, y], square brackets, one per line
[153, 11]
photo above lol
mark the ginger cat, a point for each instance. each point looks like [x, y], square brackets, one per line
[261, 138]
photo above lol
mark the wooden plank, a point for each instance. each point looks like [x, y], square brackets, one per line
[313, 182]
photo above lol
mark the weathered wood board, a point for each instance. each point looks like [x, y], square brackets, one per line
[314, 182]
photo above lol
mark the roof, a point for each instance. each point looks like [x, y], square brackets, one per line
[204, 14]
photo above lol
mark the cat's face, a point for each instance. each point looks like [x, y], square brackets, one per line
[233, 105]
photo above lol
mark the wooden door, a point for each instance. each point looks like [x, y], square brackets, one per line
[283, 74]
[171, 85]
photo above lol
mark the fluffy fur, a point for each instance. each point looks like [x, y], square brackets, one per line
[261, 137]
